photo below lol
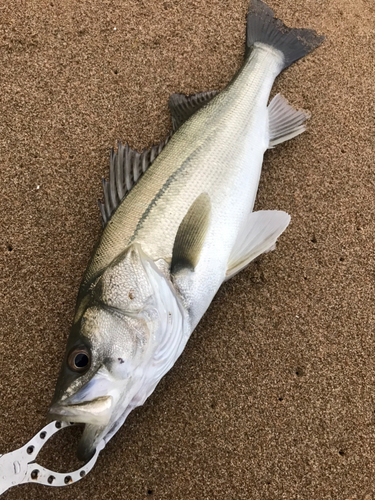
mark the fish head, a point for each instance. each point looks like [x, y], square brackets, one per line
[97, 377]
[109, 363]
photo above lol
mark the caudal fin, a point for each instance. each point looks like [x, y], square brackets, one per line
[263, 27]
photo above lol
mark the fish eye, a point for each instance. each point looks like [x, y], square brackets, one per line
[79, 359]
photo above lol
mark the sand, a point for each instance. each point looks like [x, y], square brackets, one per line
[274, 396]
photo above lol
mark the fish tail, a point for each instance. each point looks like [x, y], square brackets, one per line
[263, 27]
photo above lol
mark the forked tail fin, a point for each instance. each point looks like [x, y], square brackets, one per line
[263, 27]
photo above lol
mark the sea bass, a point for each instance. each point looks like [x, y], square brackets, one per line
[178, 221]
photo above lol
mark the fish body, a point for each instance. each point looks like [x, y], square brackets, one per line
[218, 152]
[181, 230]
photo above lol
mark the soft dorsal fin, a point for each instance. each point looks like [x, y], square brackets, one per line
[257, 236]
[191, 235]
[125, 169]
[183, 107]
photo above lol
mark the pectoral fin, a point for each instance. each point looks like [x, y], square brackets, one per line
[258, 236]
[191, 235]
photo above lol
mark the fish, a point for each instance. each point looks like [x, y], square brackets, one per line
[178, 222]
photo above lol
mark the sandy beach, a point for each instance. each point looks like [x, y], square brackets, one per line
[274, 395]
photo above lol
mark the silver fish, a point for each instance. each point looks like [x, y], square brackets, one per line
[179, 221]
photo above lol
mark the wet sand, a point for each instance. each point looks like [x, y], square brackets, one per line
[274, 396]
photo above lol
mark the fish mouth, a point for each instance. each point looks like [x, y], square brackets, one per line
[96, 412]
[95, 403]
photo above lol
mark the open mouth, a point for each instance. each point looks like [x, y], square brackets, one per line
[95, 414]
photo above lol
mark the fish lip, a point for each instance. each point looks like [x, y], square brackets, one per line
[96, 411]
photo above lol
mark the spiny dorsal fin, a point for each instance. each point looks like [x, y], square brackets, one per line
[191, 235]
[125, 169]
[127, 165]
[183, 107]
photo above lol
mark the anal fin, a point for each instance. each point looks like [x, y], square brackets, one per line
[258, 235]
[285, 122]
[191, 235]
